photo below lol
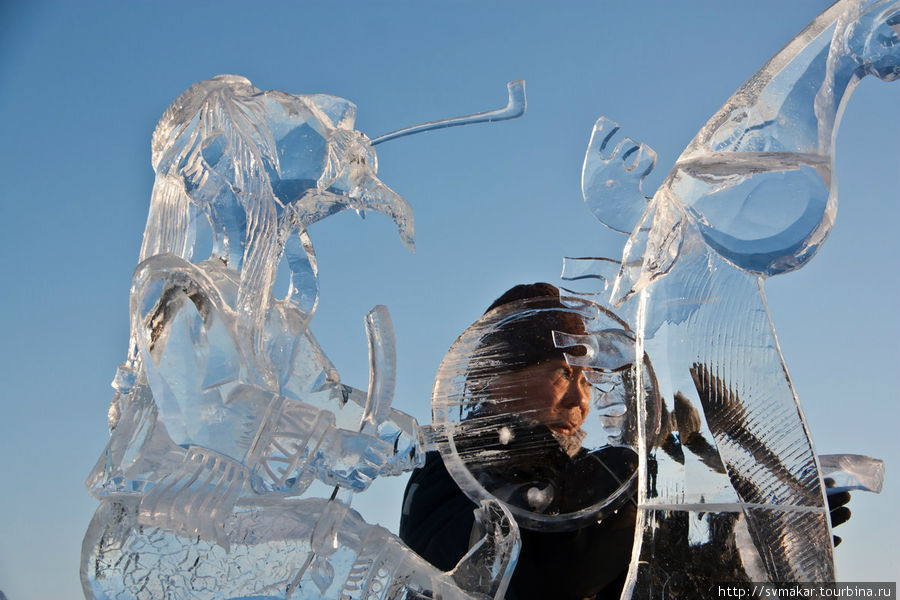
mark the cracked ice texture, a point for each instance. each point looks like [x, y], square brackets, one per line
[751, 196]
[226, 409]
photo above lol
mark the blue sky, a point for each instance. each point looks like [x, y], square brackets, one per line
[82, 85]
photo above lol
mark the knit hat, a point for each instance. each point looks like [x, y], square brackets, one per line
[525, 336]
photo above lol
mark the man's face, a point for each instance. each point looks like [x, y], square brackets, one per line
[552, 392]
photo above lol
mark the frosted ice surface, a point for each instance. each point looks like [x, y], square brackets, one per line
[287, 549]
[730, 487]
[226, 410]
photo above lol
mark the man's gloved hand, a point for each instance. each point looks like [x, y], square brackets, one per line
[837, 511]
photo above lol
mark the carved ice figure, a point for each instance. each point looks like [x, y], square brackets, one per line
[753, 195]
[227, 410]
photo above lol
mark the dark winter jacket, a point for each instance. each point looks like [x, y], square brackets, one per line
[587, 563]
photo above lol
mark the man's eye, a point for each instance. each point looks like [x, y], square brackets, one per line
[565, 372]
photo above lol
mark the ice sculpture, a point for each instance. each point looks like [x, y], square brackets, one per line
[751, 196]
[226, 411]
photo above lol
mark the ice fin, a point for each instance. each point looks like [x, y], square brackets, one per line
[852, 472]
[599, 271]
[315, 205]
[612, 176]
[379, 197]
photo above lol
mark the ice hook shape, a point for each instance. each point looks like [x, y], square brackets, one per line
[515, 108]
[226, 410]
[736, 494]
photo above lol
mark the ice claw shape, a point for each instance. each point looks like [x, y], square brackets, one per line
[613, 174]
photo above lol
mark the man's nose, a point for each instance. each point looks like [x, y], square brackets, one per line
[577, 394]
